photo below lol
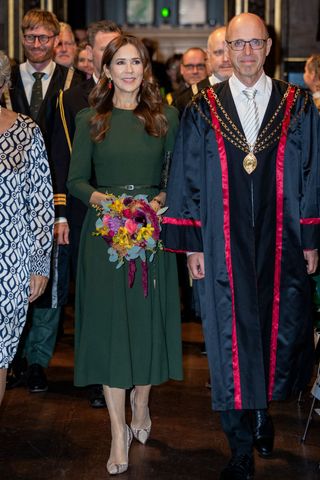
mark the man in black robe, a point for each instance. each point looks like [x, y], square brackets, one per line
[243, 201]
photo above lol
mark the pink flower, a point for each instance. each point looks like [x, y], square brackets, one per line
[105, 219]
[131, 226]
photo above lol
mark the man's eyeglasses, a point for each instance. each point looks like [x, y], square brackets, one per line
[197, 66]
[43, 39]
[255, 44]
[66, 44]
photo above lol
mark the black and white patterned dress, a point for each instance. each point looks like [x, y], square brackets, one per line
[26, 224]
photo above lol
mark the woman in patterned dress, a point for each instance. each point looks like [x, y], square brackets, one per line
[26, 222]
[124, 340]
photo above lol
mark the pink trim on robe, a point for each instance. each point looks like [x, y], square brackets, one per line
[278, 246]
[227, 236]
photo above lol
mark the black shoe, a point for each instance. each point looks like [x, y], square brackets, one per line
[16, 375]
[37, 380]
[263, 433]
[96, 397]
[203, 349]
[240, 467]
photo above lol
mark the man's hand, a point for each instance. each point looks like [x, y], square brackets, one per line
[312, 258]
[61, 233]
[195, 264]
[38, 285]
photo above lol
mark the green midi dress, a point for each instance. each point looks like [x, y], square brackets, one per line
[123, 338]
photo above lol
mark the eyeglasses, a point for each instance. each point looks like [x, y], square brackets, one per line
[43, 39]
[255, 44]
[197, 66]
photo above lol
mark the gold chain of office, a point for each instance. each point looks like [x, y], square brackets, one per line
[231, 132]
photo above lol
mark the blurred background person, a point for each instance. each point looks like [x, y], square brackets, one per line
[123, 338]
[82, 61]
[311, 77]
[66, 48]
[193, 70]
[27, 242]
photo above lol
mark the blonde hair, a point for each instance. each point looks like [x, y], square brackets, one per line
[35, 17]
[5, 69]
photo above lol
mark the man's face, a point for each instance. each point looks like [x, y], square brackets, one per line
[37, 52]
[193, 67]
[248, 63]
[95, 52]
[66, 49]
[217, 60]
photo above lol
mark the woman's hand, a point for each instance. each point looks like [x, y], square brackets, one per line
[38, 285]
[158, 201]
[97, 197]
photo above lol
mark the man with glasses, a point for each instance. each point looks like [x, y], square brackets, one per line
[243, 202]
[34, 91]
[193, 69]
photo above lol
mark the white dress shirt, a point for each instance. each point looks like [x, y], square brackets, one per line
[263, 87]
[26, 71]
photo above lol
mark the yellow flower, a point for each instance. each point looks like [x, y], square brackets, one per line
[122, 238]
[145, 232]
[103, 230]
[117, 205]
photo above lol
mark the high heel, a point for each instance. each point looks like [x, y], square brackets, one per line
[117, 468]
[140, 434]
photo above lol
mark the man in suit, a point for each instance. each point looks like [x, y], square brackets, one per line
[70, 211]
[193, 70]
[35, 85]
[218, 64]
[243, 201]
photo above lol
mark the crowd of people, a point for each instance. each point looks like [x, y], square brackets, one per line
[227, 157]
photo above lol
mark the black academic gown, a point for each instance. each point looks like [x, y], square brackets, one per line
[255, 298]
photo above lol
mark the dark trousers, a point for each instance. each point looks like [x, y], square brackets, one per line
[237, 427]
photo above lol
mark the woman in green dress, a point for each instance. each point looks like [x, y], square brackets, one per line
[124, 339]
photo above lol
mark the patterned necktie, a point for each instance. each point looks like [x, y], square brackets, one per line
[36, 95]
[251, 120]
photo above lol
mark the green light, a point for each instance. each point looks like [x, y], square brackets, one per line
[165, 12]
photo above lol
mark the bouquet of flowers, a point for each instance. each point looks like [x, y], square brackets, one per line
[131, 228]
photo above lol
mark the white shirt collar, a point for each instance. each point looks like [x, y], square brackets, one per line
[213, 79]
[48, 70]
[95, 78]
[237, 87]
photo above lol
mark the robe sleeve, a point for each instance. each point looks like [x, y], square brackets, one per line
[80, 171]
[181, 226]
[310, 171]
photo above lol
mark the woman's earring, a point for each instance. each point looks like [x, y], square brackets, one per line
[109, 83]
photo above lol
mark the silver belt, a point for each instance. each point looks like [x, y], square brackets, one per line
[132, 187]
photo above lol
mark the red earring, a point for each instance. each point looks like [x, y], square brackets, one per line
[109, 83]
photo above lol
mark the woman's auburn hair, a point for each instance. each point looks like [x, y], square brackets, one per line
[150, 105]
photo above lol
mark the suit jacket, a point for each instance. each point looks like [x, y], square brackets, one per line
[74, 100]
[47, 110]
[184, 96]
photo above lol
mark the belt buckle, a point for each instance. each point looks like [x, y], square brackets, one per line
[129, 187]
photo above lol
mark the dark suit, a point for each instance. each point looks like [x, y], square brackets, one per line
[67, 206]
[184, 95]
[46, 312]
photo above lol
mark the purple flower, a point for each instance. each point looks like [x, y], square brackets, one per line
[115, 223]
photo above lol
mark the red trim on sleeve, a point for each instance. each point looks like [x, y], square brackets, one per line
[278, 246]
[181, 222]
[228, 254]
[309, 221]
